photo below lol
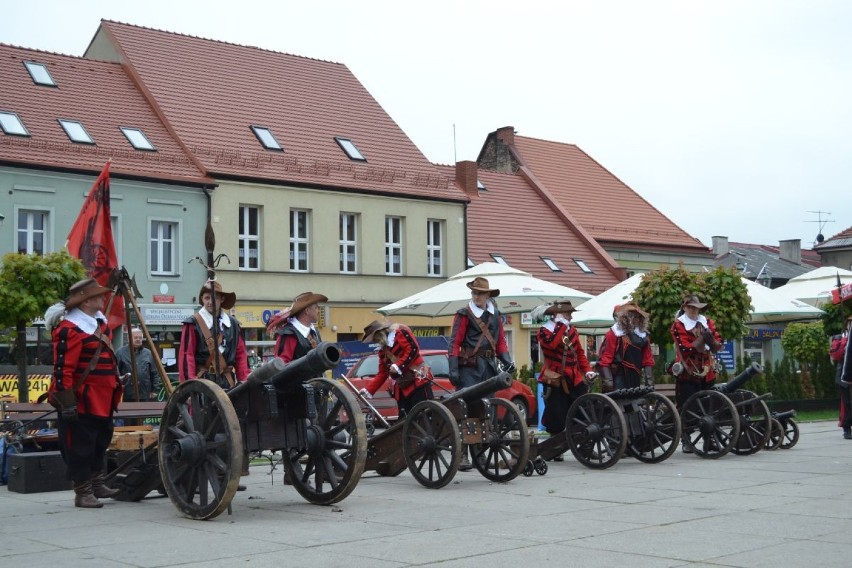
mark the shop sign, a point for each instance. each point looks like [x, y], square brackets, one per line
[173, 315]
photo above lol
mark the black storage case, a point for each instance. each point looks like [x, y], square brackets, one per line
[37, 472]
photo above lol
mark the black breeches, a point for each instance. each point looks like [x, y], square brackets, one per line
[83, 444]
[557, 404]
[421, 393]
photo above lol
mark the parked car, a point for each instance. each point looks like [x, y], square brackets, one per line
[367, 367]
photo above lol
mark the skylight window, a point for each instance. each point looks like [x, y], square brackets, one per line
[12, 125]
[583, 266]
[266, 138]
[470, 263]
[351, 150]
[550, 264]
[39, 73]
[498, 258]
[481, 186]
[137, 139]
[76, 131]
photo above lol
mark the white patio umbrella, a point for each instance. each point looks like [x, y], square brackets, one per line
[814, 287]
[519, 292]
[767, 307]
[595, 317]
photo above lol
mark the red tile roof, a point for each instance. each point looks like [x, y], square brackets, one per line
[510, 218]
[602, 204]
[211, 92]
[102, 98]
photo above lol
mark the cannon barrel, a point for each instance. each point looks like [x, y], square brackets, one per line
[317, 361]
[481, 390]
[786, 415]
[741, 379]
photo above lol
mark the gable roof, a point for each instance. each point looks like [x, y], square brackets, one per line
[102, 98]
[510, 218]
[597, 199]
[212, 92]
[753, 260]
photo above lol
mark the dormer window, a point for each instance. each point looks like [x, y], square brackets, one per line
[266, 138]
[137, 139]
[12, 125]
[76, 131]
[39, 74]
[550, 264]
[351, 150]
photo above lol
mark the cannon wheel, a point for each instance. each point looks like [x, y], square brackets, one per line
[776, 434]
[660, 429]
[791, 434]
[755, 425]
[710, 423]
[201, 449]
[328, 469]
[596, 431]
[432, 444]
[503, 454]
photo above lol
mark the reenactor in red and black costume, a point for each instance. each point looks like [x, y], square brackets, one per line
[626, 356]
[399, 360]
[837, 352]
[294, 327]
[565, 367]
[85, 389]
[197, 339]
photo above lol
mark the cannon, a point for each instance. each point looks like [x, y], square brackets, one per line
[785, 431]
[727, 418]
[429, 440]
[601, 428]
[206, 434]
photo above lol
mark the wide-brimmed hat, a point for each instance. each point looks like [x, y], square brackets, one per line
[692, 300]
[374, 327]
[631, 307]
[480, 284]
[560, 307]
[304, 300]
[228, 298]
[81, 291]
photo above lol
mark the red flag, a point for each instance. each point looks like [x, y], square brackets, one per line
[92, 242]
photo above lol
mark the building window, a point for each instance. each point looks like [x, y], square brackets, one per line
[498, 258]
[39, 74]
[266, 138]
[351, 150]
[348, 243]
[470, 263]
[393, 246]
[249, 238]
[12, 125]
[434, 247]
[137, 139]
[32, 231]
[298, 240]
[583, 266]
[164, 247]
[76, 131]
[550, 264]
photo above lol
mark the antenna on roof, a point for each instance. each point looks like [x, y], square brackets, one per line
[820, 237]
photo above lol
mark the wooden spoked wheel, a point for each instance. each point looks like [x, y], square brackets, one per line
[331, 464]
[791, 434]
[711, 424]
[596, 431]
[654, 428]
[776, 435]
[432, 444]
[505, 450]
[755, 424]
[201, 449]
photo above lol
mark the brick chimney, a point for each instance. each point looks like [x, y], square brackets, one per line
[467, 177]
[720, 246]
[506, 135]
[791, 250]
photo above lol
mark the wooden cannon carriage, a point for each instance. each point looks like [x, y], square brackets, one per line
[206, 434]
[429, 441]
[601, 428]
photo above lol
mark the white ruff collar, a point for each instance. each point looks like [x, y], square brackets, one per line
[84, 321]
[208, 318]
[479, 311]
[690, 323]
[616, 329]
[305, 330]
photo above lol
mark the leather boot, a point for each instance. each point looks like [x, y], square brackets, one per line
[465, 464]
[84, 497]
[100, 490]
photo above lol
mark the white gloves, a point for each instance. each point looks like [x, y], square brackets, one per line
[365, 393]
[591, 375]
[394, 369]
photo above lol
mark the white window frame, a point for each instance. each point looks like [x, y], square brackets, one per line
[434, 250]
[172, 270]
[300, 243]
[246, 238]
[30, 231]
[348, 224]
[393, 245]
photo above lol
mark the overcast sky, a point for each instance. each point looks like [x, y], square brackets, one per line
[732, 117]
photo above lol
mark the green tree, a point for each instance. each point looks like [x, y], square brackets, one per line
[29, 284]
[806, 343]
[729, 303]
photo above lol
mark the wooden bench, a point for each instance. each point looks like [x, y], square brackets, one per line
[28, 411]
[665, 390]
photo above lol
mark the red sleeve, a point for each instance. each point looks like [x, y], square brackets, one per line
[458, 333]
[607, 355]
[647, 356]
[552, 339]
[186, 354]
[682, 337]
[288, 347]
[408, 348]
[712, 327]
[502, 344]
[67, 345]
[582, 360]
[241, 361]
[838, 349]
[382, 376]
